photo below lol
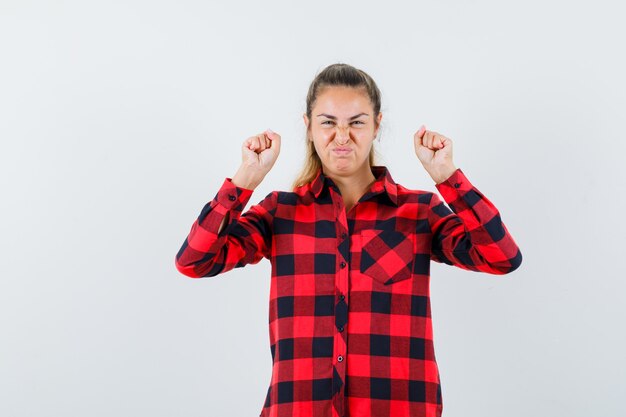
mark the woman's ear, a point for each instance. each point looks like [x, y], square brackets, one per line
[306, 124]
[378, 119]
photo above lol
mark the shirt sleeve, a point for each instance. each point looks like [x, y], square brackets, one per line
[472, 235]
[245, 238]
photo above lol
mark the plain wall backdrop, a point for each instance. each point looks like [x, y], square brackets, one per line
[119, 120]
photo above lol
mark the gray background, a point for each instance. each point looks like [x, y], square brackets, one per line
[119, 120]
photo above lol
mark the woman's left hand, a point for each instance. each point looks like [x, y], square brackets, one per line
[435, 153]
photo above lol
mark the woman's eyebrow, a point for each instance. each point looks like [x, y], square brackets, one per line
[330, 116]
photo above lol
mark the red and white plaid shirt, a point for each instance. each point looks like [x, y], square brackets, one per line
[350, 322]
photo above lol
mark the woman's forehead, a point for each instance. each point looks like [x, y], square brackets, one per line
[342, 102]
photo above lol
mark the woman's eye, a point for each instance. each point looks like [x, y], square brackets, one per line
[330, 121]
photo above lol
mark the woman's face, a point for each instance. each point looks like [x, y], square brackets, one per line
[342, 128]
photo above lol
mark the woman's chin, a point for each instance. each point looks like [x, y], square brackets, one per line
[342, 166]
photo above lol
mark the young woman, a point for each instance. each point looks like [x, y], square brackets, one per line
[349, 311]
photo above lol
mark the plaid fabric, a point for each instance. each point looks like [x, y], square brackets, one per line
[350, 322]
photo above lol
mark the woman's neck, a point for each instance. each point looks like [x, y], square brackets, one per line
[353, 187]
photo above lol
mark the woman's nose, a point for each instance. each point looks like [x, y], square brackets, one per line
[340, 132]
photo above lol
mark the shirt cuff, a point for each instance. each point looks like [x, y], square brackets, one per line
[454, 185]
[232, 197]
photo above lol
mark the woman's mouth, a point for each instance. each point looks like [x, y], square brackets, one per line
[341, 151]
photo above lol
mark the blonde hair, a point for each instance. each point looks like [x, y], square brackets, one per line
[334, 75]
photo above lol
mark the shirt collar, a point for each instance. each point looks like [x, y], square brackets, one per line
[384, 183]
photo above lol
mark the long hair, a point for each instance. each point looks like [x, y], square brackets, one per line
[338, 74]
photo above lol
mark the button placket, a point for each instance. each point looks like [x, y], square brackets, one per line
[341, 307]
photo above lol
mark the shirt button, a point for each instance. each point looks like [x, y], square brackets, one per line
[341, 329]
[232, 197]
[340, 358]
[341, 297]
[457, 185]
[342, 264]
[344, 235]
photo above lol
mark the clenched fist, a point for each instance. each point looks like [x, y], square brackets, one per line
[435, 153]
[258, 155]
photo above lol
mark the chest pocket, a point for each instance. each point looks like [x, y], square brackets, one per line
[386, 255]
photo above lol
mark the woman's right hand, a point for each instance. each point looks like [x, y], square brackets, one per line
[258, 155]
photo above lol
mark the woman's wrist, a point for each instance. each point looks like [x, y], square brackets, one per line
[445, 175]
[244, 180]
